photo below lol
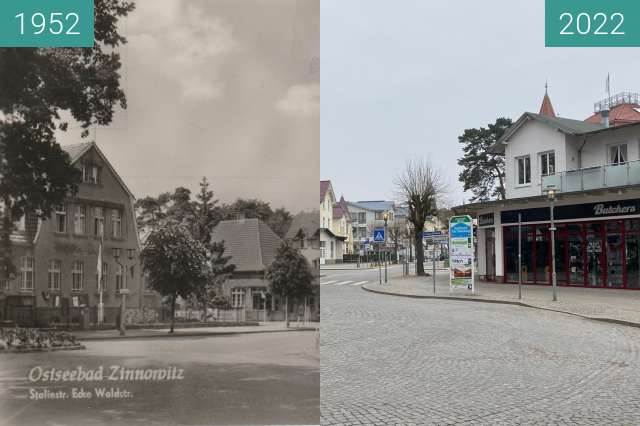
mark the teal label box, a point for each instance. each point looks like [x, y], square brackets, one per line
[46, 23]
[592, 23]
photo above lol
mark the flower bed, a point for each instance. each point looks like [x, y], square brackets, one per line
[33, 340]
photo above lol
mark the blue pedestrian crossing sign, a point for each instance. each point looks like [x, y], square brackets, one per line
[378, 235]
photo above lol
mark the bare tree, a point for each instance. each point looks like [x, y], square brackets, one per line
[397, 230]
[420, 188]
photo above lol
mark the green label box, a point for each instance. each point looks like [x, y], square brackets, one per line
[592, 23]
[46, 23]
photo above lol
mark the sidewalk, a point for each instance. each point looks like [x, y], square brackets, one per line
[143, 333]
[618, 306]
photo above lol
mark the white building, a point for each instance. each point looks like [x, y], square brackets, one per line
[594, 165]
[332, 244]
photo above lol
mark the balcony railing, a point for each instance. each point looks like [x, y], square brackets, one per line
[599, 177]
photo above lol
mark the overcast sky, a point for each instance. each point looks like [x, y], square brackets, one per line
[405, 78]
[224, 89]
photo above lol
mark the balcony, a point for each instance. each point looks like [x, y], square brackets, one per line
[591, 178]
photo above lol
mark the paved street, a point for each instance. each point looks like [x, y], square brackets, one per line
[395, 360]
[267, 378]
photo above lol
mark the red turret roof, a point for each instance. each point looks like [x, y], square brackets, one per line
[547, 108]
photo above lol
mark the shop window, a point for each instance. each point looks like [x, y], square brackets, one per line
[618, 154]
[54, 275]
[547, 163]
[26, 273]
[523, 170]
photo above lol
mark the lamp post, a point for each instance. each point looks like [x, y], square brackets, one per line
[551, 196]
[385, 217]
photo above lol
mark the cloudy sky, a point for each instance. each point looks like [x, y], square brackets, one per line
[226, 89]
[403, 79]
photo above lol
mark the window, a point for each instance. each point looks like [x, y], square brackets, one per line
[523, 169]
[90, 173]
[362, 217]
[237, 298]
[54, 275]
[618, 154]
[98, 221]
[105, 275]
[547, 163]
[322, 249]
[79, 220]
[116, 224]
[26, 274]
[77, 275]
[119, 278]
[61, 219]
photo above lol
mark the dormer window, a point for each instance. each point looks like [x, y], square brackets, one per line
[90, 173]
[547, 163]
[523, 170]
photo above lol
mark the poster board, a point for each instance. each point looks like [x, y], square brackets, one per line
[461, 255]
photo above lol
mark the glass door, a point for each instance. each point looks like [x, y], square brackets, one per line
[490, 240]
[632, 253]
[542, 254]
[595, 255]
[615, 255]
[575, 256]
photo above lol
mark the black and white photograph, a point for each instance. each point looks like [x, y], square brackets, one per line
[160, 236]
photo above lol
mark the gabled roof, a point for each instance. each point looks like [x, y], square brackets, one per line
[307, 222]
[620, 114]
[340, 209]
[251, 244]
[564, 125]
[375, 206]
[77, 151]
[325, 185]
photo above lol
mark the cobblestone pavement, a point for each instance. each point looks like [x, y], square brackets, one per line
[391, 360]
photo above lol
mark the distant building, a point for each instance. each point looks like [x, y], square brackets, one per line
[332, 243]
[252, 246]
[57, 259]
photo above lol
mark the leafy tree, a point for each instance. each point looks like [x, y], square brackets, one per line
[219, 271]
[151, 211]
[280, 221]
[420, 187]
[290, 276]
[175, 262]
[35, 85]
[483, 171]
[250, 209]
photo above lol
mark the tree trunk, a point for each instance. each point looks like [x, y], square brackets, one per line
[173, 312]
[419, 252]
[286, 310]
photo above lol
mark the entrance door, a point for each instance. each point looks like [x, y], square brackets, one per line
[615, 255]
[575, 256]
[595, 255]
[490, 241]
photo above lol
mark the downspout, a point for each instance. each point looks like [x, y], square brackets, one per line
[584, 141]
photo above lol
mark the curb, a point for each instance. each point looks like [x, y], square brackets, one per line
[201, 334]
[506, 302]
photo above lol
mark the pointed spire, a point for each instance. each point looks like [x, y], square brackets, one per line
[547, 108]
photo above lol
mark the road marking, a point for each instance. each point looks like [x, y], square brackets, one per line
[360, 283]
[328, 282]
[344, 282]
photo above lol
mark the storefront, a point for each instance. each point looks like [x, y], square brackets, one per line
[597, 244]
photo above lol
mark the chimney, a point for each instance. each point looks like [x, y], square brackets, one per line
[605, 116]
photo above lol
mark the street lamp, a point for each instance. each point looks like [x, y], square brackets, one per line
[385, 217]
[551, 196]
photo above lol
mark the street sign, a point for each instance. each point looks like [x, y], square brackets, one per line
[378, 235]
[431, 234]
[461, 252]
